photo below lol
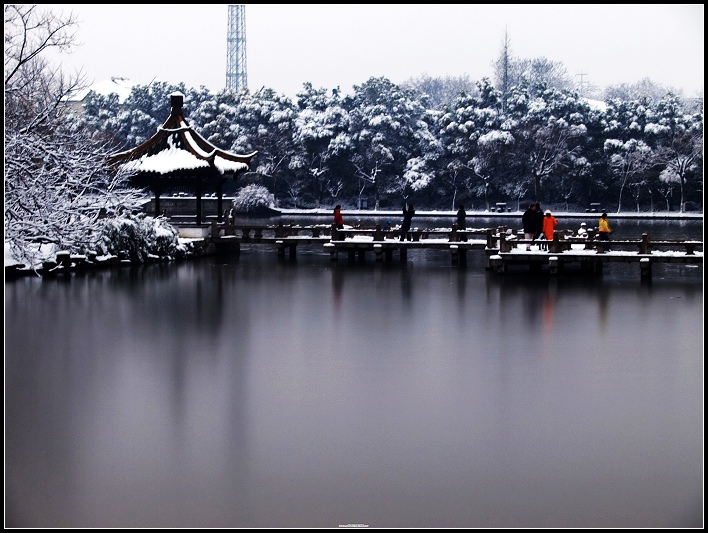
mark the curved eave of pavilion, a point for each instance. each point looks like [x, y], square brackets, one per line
[176, 149]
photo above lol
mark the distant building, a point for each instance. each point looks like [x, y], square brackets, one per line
[116, 85]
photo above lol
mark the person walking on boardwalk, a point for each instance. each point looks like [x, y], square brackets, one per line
[408, 213]
[462, 222]
[549, 225]
[528, 220]
[538, 230]
[338, 218]
[603, 228]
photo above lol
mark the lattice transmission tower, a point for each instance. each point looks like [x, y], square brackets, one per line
[236, 49]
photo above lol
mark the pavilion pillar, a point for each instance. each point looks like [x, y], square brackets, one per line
[199, 205]
[219, 202]
[157, 191]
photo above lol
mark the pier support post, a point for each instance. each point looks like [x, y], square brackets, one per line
[553, 265]
[458, 255]
[214, 230]
[645, 268]
[332, 250]
[497, 263]
[281, 245]
[403, 253]
[504, 246]
[454, 254]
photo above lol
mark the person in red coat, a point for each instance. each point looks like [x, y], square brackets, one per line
[338, 218]
[549, 225]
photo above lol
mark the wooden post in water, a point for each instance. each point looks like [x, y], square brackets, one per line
[453, 234]
[645, 245]
[403, 253]
[332, 249]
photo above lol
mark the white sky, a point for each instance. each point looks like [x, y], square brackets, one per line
[346, 44]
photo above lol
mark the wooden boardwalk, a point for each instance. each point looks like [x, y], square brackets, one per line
[503, 248]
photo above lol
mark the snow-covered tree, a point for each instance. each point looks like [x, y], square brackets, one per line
[440, 92]
[642, 90]
[321, 136]
[628, 161]
[503, 70]
[58, 187]
[511, 71]
[678, 138]
[36, 92]
[387, 131]
[252, 199]
[266, 121]
[541, 71]
[456, 131]
[548, 130]
[668, 179]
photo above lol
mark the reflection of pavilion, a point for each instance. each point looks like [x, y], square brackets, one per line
[177, 156]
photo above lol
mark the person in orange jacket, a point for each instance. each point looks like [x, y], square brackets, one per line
[604, 228]
[549, 225]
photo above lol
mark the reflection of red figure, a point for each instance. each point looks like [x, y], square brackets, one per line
[337, 285]
[548, 311]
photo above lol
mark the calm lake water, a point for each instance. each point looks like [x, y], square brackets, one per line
[253, 391]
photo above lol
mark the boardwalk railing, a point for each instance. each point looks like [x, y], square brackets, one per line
[500, 239]
[562, 243]
[502, 246]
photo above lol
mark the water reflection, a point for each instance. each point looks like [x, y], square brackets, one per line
[256, 392]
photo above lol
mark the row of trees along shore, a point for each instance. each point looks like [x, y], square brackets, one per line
[434, 142]
[386, 143]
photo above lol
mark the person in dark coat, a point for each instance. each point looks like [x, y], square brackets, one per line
[528, 220]
[407, 218]
[462, 222]
[538, 228]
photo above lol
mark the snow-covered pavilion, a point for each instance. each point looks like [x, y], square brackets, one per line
[177, 156]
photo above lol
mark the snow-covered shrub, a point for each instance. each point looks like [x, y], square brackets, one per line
[162, 238]
[253, 198]
[139, 237]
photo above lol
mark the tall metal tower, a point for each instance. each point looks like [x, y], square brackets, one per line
[236, 49]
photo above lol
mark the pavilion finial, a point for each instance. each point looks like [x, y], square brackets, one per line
[176, 101]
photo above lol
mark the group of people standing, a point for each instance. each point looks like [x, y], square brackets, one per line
[536, 223]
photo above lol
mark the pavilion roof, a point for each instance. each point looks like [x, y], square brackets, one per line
[177, 150]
